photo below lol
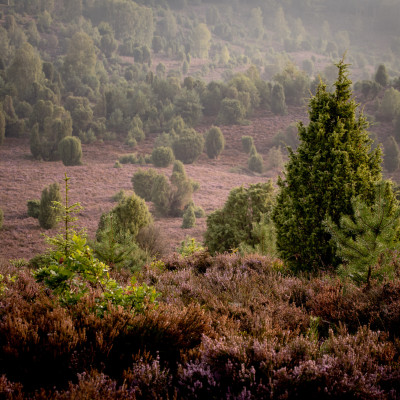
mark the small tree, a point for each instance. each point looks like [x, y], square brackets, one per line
[70, 150]
[215, 142]
[332, 164]
[162, 156]
[365, 239]
[49, 211]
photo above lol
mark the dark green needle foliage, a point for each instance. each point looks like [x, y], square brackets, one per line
[49, 211]
[332, 164]
[365, 239]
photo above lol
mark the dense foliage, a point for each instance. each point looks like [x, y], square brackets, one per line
[229, 227]
[332, 164]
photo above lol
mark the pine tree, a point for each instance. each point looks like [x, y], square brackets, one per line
[332, 164]
[364, 240]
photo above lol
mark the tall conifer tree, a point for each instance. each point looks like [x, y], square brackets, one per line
[332, 164]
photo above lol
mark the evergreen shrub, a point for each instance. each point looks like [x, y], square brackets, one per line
[162, 156]
[188, 146]
[255, 163]
[70, 150]
[189, 217]
[49, 212]
[142, 182]
[215, 142]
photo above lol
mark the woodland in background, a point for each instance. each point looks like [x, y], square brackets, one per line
[295, 291]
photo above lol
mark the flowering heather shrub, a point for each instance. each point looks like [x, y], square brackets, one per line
[227, 327]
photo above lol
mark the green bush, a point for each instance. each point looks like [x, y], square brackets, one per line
[179, 168]
[128, 217]
[231, 112]
[161, 194]
[162, 156]
[33, 208]
[49, 211]
[188, 146]
[255, 163]
[70, 151]
[247, 143]
[189, 217]
[233, 225]
[142, 182]
[128, 158]
[215, 142]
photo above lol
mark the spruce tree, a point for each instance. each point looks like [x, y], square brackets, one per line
[332, 164]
